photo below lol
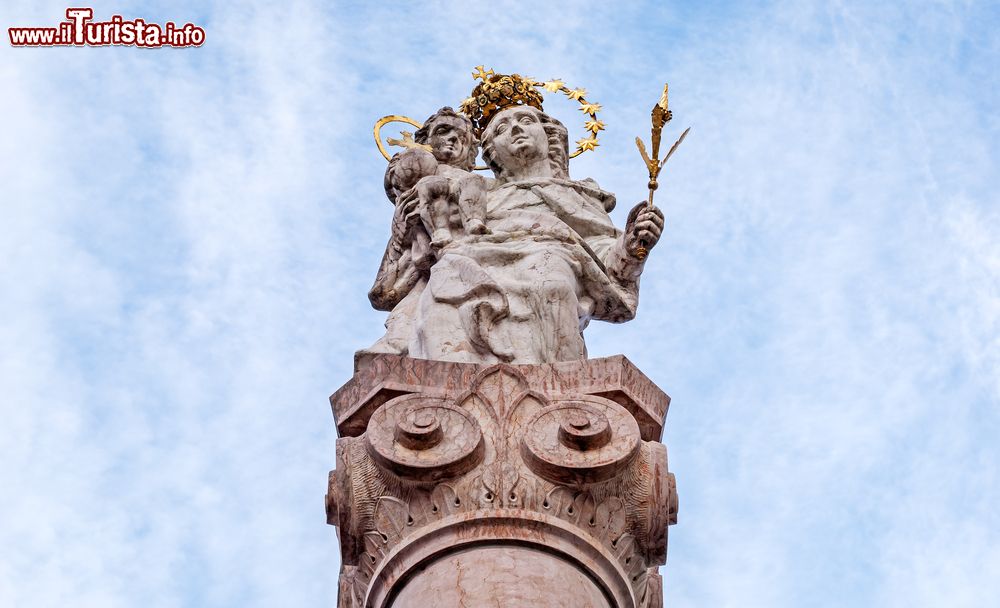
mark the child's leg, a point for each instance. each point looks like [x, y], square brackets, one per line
[433, 193]
[472, 204]
[439, 217]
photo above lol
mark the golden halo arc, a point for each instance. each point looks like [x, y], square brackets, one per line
[381, 122]
[592, 126]
[555, 85]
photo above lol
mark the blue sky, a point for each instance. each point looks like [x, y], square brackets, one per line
[188, 237]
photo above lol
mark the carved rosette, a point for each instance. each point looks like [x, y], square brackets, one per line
[517, 457]
[424, 439]
[585, 440]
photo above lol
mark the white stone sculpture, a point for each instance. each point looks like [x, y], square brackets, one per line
[524, 292]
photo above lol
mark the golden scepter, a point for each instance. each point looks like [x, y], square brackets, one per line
[661, 116]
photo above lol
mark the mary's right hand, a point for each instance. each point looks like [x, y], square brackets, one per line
[406, 215]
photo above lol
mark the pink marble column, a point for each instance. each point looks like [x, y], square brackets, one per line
[512, 485]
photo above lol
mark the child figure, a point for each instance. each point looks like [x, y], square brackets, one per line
[442, 179]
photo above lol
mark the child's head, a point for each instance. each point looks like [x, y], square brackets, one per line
[450, 136]
[405, 170]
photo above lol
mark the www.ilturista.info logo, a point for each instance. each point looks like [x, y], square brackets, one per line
[81, 30]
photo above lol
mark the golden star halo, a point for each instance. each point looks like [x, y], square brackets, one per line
[468, 105]
[592, 126]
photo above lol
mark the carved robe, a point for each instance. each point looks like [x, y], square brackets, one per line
[522, 294]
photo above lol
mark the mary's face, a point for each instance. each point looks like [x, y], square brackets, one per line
[518, 136]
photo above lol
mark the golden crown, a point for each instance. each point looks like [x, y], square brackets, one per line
[497, 92]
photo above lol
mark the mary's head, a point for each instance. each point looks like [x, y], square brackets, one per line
[522, 142]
